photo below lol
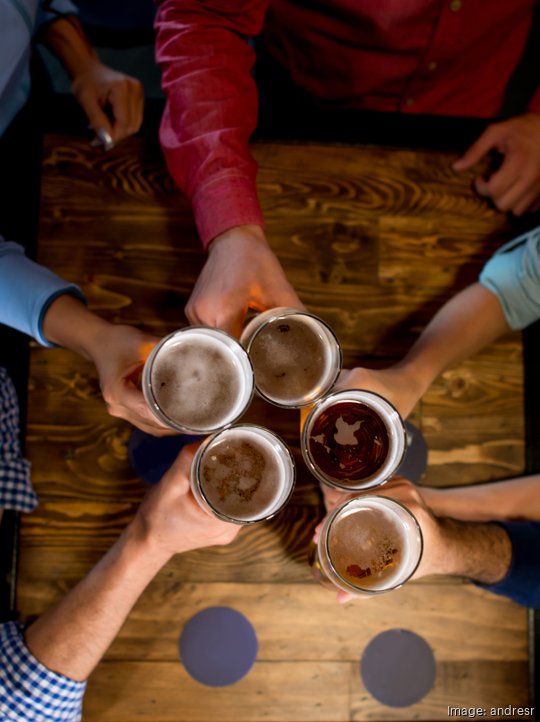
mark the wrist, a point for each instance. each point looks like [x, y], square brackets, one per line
[238, 234]
[146, 543]
[414, 376]
[142, 548]
[70, 324]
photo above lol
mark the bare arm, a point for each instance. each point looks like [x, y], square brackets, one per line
[467, 323]
[479, 551]
[71, 638]
[513, 499]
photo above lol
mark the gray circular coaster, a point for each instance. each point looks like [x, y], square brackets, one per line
[218, 646]
[414, 463]
[398, 668]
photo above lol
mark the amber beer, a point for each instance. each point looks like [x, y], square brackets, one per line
[198, 380]
[295, 355]
[353, 440]
[369, 545]
[244, 474]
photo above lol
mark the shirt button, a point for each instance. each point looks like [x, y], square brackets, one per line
[456, 5]
[409, 101]
[432, 66]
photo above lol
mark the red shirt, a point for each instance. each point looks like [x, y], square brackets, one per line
[451, 57]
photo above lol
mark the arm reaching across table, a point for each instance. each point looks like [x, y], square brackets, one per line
[43, 669]
[211, 112]
[39, 303]
[506, 297]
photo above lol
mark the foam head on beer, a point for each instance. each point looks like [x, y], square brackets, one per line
[295, 356]
[243, 474]
[198, 379]
[373, 544]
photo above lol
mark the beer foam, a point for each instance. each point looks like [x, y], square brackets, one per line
[369, 547]
[291, 358]
[243, 475]
[197, 382]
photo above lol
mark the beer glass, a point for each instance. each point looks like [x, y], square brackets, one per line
[243, 474]
[368, 545]
[353, 440]
[296, 356]
[198, 380]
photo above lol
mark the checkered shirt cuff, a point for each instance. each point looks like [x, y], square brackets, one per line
[28, 690]
[16, 490]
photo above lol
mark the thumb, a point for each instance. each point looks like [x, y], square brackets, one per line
[94, 112]
[182, 464]
[132, 399]
[232, 322]
[487, 141]
[287, 298]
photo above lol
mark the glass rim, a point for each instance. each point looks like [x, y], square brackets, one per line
[328, 526]
[206, 444]
[148, 390]
[283, 312]
[371, 482]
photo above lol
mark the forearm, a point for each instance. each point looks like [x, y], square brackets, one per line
[513, 499]
[211, 107]
[71, 637]
[466, 324]
[66, 38]
[481, 552]
[70, 324]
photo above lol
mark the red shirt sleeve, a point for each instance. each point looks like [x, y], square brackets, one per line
[534, 103]
[211, 108]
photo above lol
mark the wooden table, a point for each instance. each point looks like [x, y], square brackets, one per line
[374, 241]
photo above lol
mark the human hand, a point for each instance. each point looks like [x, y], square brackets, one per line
[515, 186]
[171, 519]
[118, 353]
[241, 272]
[396, 384]
[113, 102]
[436, 558]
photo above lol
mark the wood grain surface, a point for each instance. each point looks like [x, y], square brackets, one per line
[374, 241]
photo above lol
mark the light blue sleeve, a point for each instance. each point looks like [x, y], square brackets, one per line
[513, 275]
[55, 9]
[27, 290]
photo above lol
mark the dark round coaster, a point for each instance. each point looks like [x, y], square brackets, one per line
[414, 463]
[151, 456]
[398, 668]
[218, 646]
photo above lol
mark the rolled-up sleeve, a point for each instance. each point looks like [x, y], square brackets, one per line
[28, 690]
[27, 290]
[513, 275]
[55, 9]
[522, 582]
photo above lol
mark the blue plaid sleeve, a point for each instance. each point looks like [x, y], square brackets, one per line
[16, 491]
[29, 692]
[513, 275]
